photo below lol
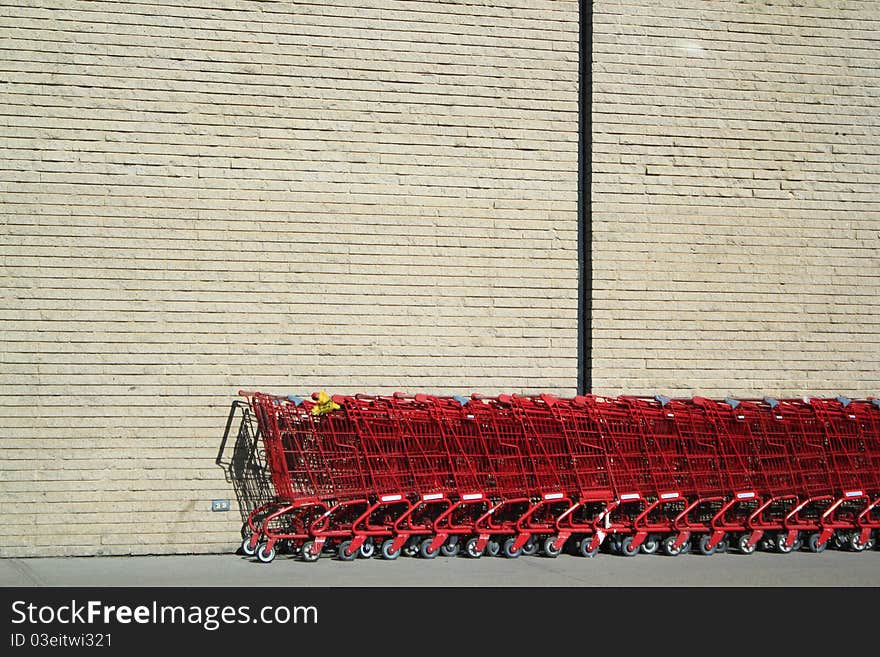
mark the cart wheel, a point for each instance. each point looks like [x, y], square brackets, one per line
[550, 550]
[509, 552]
[742, 544]
[836, 541]
[669, 548]
[798, 543]
[613, 544]
[723, 545]
[651, 545]
[367, 550]
[813, 543]
[531, 547]
[247, 548]
[411, 548]
[265, 555]
[470, 548]
[626, 547]
[343, 554]
[584, 548]
[686, 548]
[493, 548]
[703, 545]
[307, 552]
[782, 546]
[451, 549]
[387, 552]
[857, 546]
[424, 548]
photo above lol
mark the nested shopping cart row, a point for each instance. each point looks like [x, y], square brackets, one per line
[517, 474]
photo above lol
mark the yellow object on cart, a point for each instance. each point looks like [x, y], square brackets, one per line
[324, 404]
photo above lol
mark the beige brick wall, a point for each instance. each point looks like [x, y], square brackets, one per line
[370, 195]
[199, 196]
[735, 197]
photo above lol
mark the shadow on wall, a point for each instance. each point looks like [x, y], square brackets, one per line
[246, 467]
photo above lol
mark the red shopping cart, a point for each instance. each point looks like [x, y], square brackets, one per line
[522, 474]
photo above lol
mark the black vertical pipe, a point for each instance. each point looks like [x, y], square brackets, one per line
[585, 159]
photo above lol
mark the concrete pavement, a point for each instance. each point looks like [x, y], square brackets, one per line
[831, 568]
